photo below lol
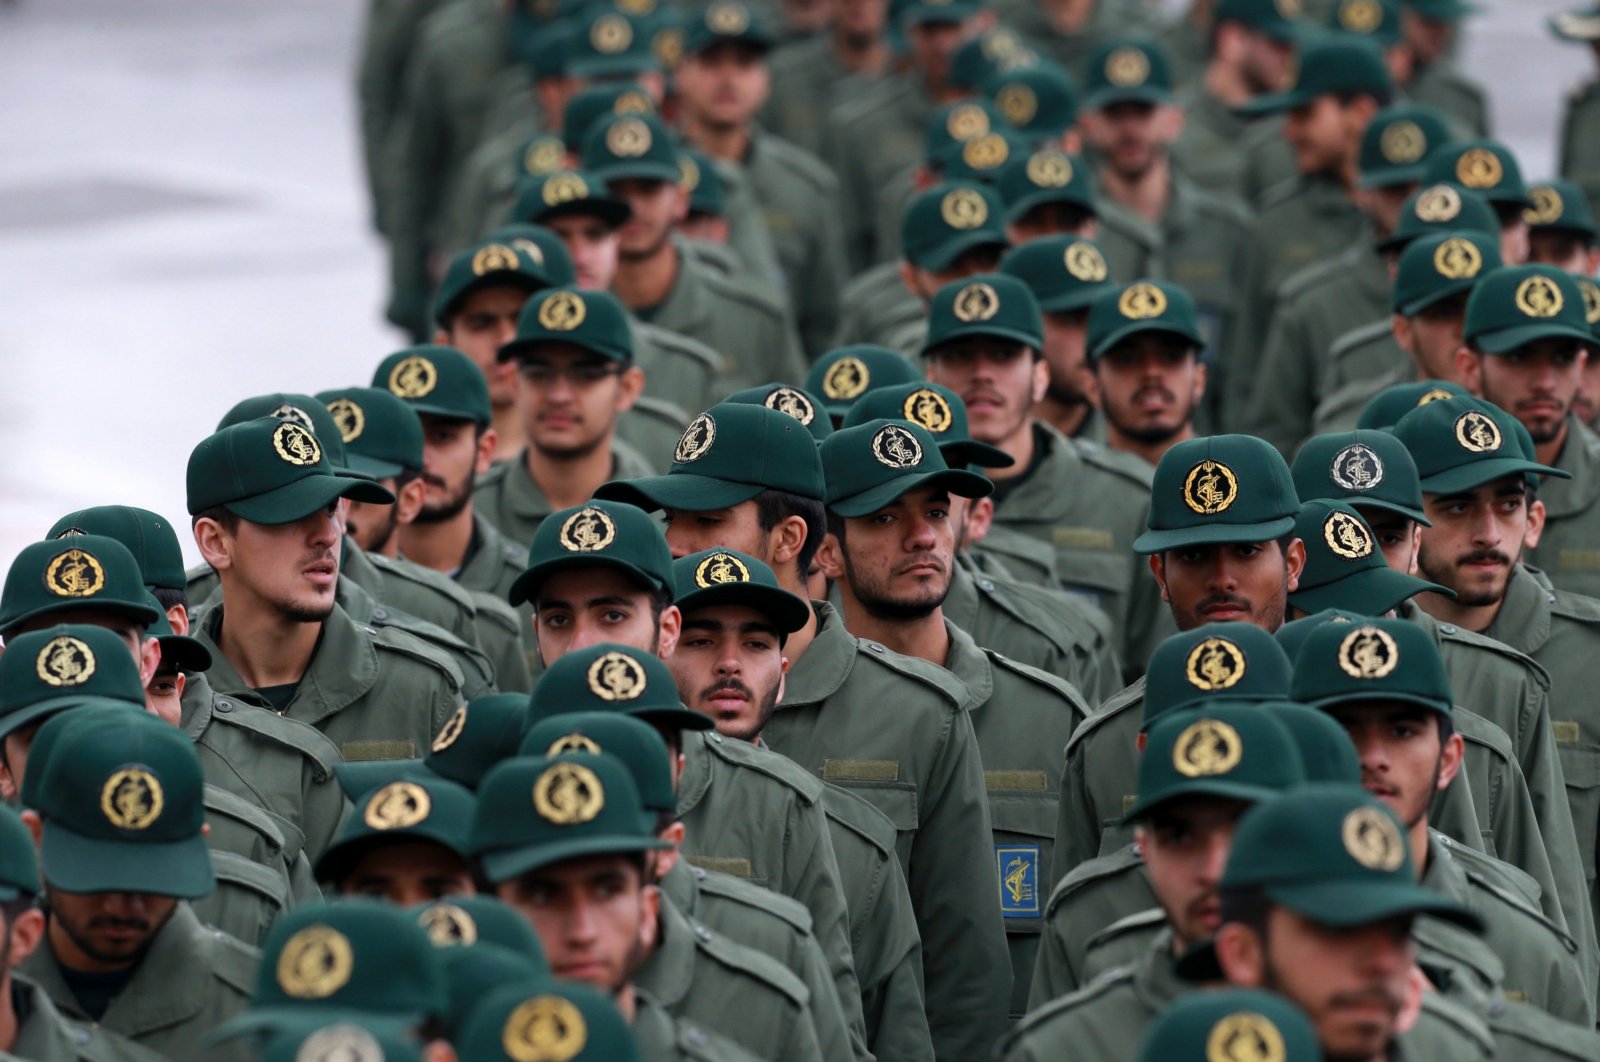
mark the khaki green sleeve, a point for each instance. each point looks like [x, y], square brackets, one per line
[1284, 392]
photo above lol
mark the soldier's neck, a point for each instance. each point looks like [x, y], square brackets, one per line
[729, 142]
[795, 646]
[1475, 618]
[1148, 451]
[1417, 838]
[1020, 445]
[627, 1002]
[441, 546]
[9, 1026]
[571, 480]
[861, 54]
[265, 646]
[507, 424]
[1065, 417]
[1548, 453]
[925, 638]
[1226, 85]
[1146, 194]
[645, 283]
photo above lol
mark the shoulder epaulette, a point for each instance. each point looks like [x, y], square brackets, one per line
[1311, 276]
[235, 869]
[1359, 337]
[746, 894]
[1459, 1019]
[1517, 885]
[868, 283]
[398, 640]
[496, 611]
[799, 162]
[880, 95]
[949, 688]
[750, 962]
[1514, 900]
[677, 343]
[304, 738]
[1579, 608]
[1140, 922]
[495, 473]
[736, 289]
[1277, 194]
[1121, 464]
[269, 827]
[1039, 677]
[1484, 732]
[1103, 983]
[1080, 877]
[860, 817]
[437, 582]
[1451, 633]
[1120, 219]
[662, 410]
[233, 962]
[807, 786]
[1130, 699]
[1513, 1023]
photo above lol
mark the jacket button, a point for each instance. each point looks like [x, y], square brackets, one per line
[380, 614]
[224, 706]
[1447, 628]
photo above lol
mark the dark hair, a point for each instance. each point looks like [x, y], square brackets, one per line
[660, 598]
[774, 506]
[223, 516]
[1248, 905]
[1447, 727]
[167, 597]
[1381, 96]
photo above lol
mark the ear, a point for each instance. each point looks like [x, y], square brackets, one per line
[908, 277]
[408, 502]
[632, 380]
[1535, 529]
[1400, 325]
[1469, 370]
[216, 545]
[439, 1051]
[667, 858]
[830, 558]
[1170, 121]
[34, 823]
[26, 933]
[1295, 561]
[178, 617]
[1450, 760]
[1072, 140]
[785, 541]
[149, 660]
[980, 517]
[486, 446]
[1199, 378]
[671, 630]
[1041, 377]
[649, 918]
[441, 338]
[1240, 954]
[1158, 568]
[680, 204]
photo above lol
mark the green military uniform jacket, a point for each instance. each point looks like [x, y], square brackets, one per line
[260, 865]
[1093, 897]
[1569, 549]
[892, 730]
[493, 561]
[1341, 410]
[808, 82]
[486, 189]
[682, 372]
[1269, 160]
[867, 140]
[1364, 355]
[508, 498]
[663, 1038]
[43, 1035]
[1524, 1032]
[1580, 140]
[875, 306]
[1109, 18]
[192, 979]
[387, 41]
[1441, 85]
[379, 694]
[1208, 150]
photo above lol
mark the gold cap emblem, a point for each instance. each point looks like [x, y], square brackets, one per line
[340, 1043]
[966, 121]
[696, 439]
[962, 208]
[1437, 394]
[1085, 262]
[976, 302]
[544, 1029]
[75, 573]
[632, 103]
[1538, 296]
[315, 963]
[448, 926]
[1478, 433]
[398, 806]
[1438, 204]
[617, 677]
[587, 531]
[349, 417]
[132, 799]
[1018, 103]
[290, 411]
[1346, 536]
[1215, 664]
[1373, 840]
[296, 445]
[895, 447]
[1210, 488]
[1142, 301]
[568, 794]
[667, 45]
[720, 568]
[628, 138]
[573, 742]
[637, 8]
[64, 661]
[451, 730]
[532, 250]
[1356, 468]
[845, 379]
[1206, 748]
[563, 188]
[1479, 168]
[689, 173]
[543, 156]
[1289, 9]
[928, 407]
[562, 311]
[1127, 67]
[1245, 1037]
[413, 377]
[985, 152]
[1403, 143]
[727, 19]
[495, 258]
[1050, 169]
[1360, 16]
[1546, 207]
[610, 34]
[1457, 259]
[792, 403]
[1368, 653]
[1591, 299]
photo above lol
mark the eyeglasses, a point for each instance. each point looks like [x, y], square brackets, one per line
[584, 374]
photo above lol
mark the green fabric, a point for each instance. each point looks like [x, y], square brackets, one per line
[1384, 410]
[1375, 660]
[1047, 176]
[1331, 64]
[270, 472]
[1397, 142]
[592, 104]
[1038, 100]
[1226, 488]
[425, 810]
[1146, 306]
[500, 1026]
[1360, 468]
[1518, 305]
[1437, 266]
[939, 410]
[1484, 166]
[74, 574]
[1567, 550]
[599, 534]
[634, 145]
[488, 263]
[148, 536]
[727, 22]
[607, 43]
[1218, 662]
[1560, 205]
[987, 305]
[1230, 751]
[1438, 207]
[845, 374]
[44, 672]
[608, 677]
[279, 697]
[508, 498]
[436, 381]
[1275, 18]
[1344, 567]
[1461, 443]
[717, 577]
[593, 320]
[871, 465]
[1127, 70]
[382, 433]
[797, 402]
[1375, 20]
[634, 742]
[563, 193]
[1188, 1030]
[1065, 273]
[948, 220]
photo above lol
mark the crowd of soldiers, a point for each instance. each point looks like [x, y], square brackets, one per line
[908, 530]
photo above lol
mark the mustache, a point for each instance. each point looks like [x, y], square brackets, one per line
[1484, 555]
[728, 684]
[108, 922]
[1386, 999]
[1159, 392]
[1222, 599]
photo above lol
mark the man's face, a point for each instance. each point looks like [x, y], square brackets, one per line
[860, 21]
[1265, 65]
[1433, 336]
[580, 607]
[1052, 219]
[1536, 383]
[737, 527]
[1132, 136]
[1397, 536]
[1149, 385]
[999, 381]
[163, 697]
[1065, 342]
[1321, 135]
[292, 569]
[725, 85]
[924, 282]
[932, 46]
[1475, 539]
[371, 525]
[729, 665]
[595, 917]
[1514, 241]
[898, 561]
[451, 459]
[1586, 403]
[1247, 582]
[407, 872]
[1429, 38]
[569, 399]
[104, 931]
[658, 206]
[593, 245]
[1185, 844]
[1400, 753]
[1382, 206]
[1567, 251]
[487, 321]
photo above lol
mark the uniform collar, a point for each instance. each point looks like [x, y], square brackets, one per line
[971, 665]
[820, 673]
[44, 1034]
[343, 669]
[688, 307]
[1523, 621]
[488, 553]
[1212, 113]
[1155, 977]
[696, 777]
[1581, 457]
[670, 970]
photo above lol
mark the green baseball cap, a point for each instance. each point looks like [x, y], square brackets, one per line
[1517, 305]
[270, 472]
[1344, 567]
[728, 455]
[633, 742]
[437, 382]
[1219, 489]
[48, 671]
[984, 54]
[936, 408]
[178, 651]
[123, 810]
[870, 465]
[471, 974]
[382, 434]
[1205, 1026]
[320, 1035]
[1591, 307]
[1336, 856]
[956, 123]
[797, 402]
[434, 810]
[589, 105]
[1143, 306]
[1440, 208]
[1277, 19]
[596, 534]
[1560, 205]
[1046, 176]
[1214, 663]
[845, 374]
[716, 577]
[916, 12]
[461, 923]
[1326, 752]
[1361, 467]
[986, 305]
[948, 220]
[300, 409]
[1483, 166]
[1462, 443]
[1231, 751]
[611, 44]
[543, 246]
[636, 146]
[105, 712]
[980, 160]
[562, 193]
[582, 806]
[1398, 140]
[1292, 635]
[1442, 10]
[1330, 64]
[1384, 409]
[609, 677]
[1127, 70]
[486, 264]
[593, 320]
[702, 179]
[478, 735]
[727, 22]
[19, 865]
[149, 537]
[74, 574]
[1373, 660]
[1442, 264]
[1065, 273]
[542, 153]
[1038, 100]
[549, 1019]
[1581, 26]
[1376, 20]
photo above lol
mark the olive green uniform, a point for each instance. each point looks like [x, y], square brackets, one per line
[684, 372]
[875, 305]
[1108, 19]
[1208, 150]
[1569, 549]
[493, 562]
[1441, 85]
[1093, 897]
[867, 141]
[43, 1035]
[661, 1036]
[508, 498]
[1364, 354]
[387, 39]
[808, 82]
[1580, 140]
[486, 190]
[1341, 410]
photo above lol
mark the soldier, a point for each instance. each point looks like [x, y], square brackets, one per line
[1488, 168]
[1145, 344]
[388, 37]
[482, 945]
[811, 77]
[1561, 229]
[843, 375]
[1430, 28]
[707, 218]
[1230, 1015]
[1067, 32]
[1374, 474]
[1577, 159]
[1039, 101]
[383, 442]
[404, 842]
[582, 1025]
[1344, 568]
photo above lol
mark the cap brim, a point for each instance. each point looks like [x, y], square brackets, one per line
[514, 278]
[944, 13]
[526, 585]
[1325, 703]
[985, 330]
[614, 66]
[787, 612]
[678, 718]
[945, 255]
[376, 467]
[1018, 210]
[75, 863]
[1372, 592]
[1391, 176]
[1273, 103]
[1506, 339]
[1112, 96]
[696, 494]
[1135, 328]
[509, 863]
[357, 779]
[1358, 503]
[1416, 306]
[43, 710]
[144, 615]
[1077, 299]
[957, 481]
[1477, 473]
[1212, 534]
[447, 413]
[1218, 788]
[338, 858]
[298, 500]
[517, 347]
[642, 170]
[613, 212]
[1344, 904]
[185, 653]
[973, 452]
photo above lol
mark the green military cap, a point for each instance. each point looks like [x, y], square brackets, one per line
[105, 713]
[1217, 662]
[637, 146]
[270, 472]
[177, 650]
[474, 973]
[1442, 10]
[1376, 20]
[478, 735]
[611, 44]
[634, 743]
[989, 305]
[1441, 264]
[956, 123]
[597, 534]
[916, 12]
[981, 159]
[593, 320]
[1232, 751]
[382, 434]
[728, 22]
[608, 677]
[542, 153]
[1065, 273]
[1333, 855]
[1128, 70]
[543, 246]
[1038, 100]
[1361, 467]
[985, 54]
[489, 263]
[45, 672]
[1220, 489]
[1517, 305]
[1326, 752]
[948, 220]
[417, 809]
[1591, 308]
[1384, 409]
[123, 810]
[1344, 567]
[936, 408]
[1047, 176]
[1373, 660]
[727, 455]
[588, 106]
[566, 192]
[1143, 306]
[667, 34]
[1331, 64]
[703, 181]
[1581, 26]
[549, 1020]
[74, 574]
[870, 465]
[1483, 166]
[845, 374]
[1292, 635]
[149, 537]
[541, 41]
[716, 577]
[1231, 1023]
[1462, 443]
[465, 922]
[1277, 19]
[19, 865]
[1560, 205]
[1439, 208]
[797, 402]
[437, 382]
[319, 1036]
[582, 806]
[1398, 140]
[300, 409]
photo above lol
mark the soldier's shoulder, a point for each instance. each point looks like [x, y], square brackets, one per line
[737, 290]
[1311, 278]
[1125, 223]
[495, 474]
[268, 827]
[1496, 889]
[1118, 705]
[753, 897]
[1221, 208]
[265, 725]
[659, 409]
[268, 885]
[868, 283]
[746, 962]
[1145, 923]
[1065, 1008]
[436, 584]
[799, 163]
[1101, 870]
[400, 646]
[1360, 337]
[859, 817]
[1124, 466]
[1577, 608]
[453, 25]
[944, 687]
[1454, 1022]
[780, 769]
[878, 97]
[488, 607]
[1047, 683]
[1509, 883]
[1521, 1030]
[1277, 199]
[679, 345]
[1053, 620]
[1495, 650]
[231, 961]
[1484, 732]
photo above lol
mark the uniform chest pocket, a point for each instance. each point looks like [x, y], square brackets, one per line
[1024, 823]
[1581, 766]
[896, 799]
[1088, 568]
